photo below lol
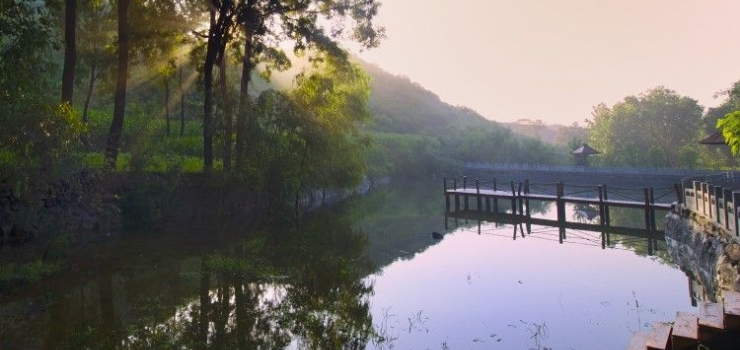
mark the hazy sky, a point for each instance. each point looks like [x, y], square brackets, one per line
[555, 59]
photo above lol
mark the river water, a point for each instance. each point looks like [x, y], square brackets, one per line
[365, 273]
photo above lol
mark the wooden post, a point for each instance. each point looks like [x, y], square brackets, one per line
[646, 208]
[479, 206]
[521, 200]
[457, 196]
[513, 199]
[447, 199]
[653, 226]
[606, 210]
[603, 240]
[526, 198]
[495, 197]
[562, 233]
[466, 198]
[559, 203]
[602, 211]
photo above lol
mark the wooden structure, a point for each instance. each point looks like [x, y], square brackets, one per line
[581, 154]
[714, 139]
[715, 200]
[710, 325]
[489, 199]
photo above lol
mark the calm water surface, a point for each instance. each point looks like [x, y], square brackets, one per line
[364, 274]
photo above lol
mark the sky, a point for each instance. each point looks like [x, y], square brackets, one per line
[554, 60]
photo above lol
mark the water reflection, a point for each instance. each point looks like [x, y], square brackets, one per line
[299, 285]
[365, 274]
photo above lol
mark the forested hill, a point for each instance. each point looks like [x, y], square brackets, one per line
[402, 106]
[415, 133]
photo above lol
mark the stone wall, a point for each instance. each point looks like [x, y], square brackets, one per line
[705, 251]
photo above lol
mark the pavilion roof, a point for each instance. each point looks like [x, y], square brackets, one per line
[585, 149]
[714, 139]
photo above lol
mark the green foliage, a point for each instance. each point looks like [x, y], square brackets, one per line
[727, 118]
[14, 274]
[649, 130]
[730, 126]
[38, 138]
[306, 139]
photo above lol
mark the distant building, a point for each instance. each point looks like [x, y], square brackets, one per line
[714, 139]
[581, 154]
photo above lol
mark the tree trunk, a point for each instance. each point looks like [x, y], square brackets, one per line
[167, 104]
[228, 109]
[86, 107]
[70, 50]
[88, 95]
[243, 116]
[119, 107]
[211, 50]
[182, 106]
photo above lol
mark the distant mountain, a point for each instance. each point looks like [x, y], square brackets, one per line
[402, 106]
[416, 134]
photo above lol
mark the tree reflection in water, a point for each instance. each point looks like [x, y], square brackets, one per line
[297, 286]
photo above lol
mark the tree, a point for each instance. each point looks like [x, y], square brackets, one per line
[649, 129]
[221, 17]
[150, 35]
[307, 139]
[726, 117]
[70, 50]
[119, 108]
[167, 72]
[95, 33]
[38, 133]
[267, 23]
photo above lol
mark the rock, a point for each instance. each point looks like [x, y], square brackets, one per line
[733, 252]
[437, 235]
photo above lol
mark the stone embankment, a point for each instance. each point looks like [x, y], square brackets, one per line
[705, 251]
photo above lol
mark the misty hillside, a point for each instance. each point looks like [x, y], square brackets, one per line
[416, 134]
[402, 106]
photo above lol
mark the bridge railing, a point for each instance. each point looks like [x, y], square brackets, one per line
[584, 169]
[716, 199]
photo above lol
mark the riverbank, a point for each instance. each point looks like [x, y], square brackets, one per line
[704, 251]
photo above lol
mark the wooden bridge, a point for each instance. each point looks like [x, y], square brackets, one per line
[490, 199]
